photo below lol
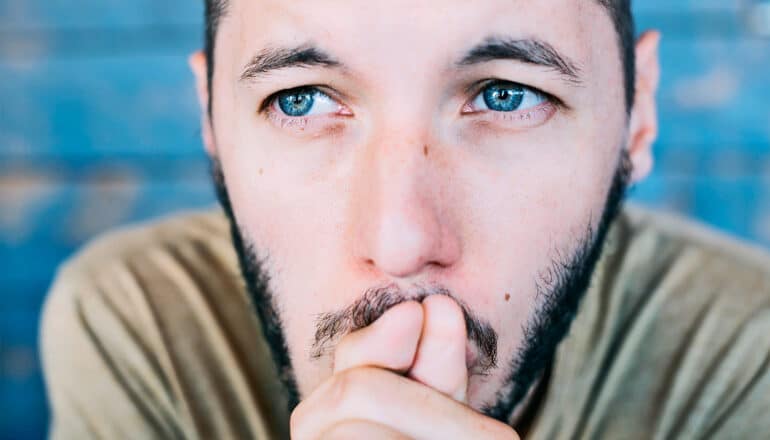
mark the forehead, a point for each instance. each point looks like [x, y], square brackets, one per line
[374, 32]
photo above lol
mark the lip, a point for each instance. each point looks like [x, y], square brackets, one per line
[471, 357]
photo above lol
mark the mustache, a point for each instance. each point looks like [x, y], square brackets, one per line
[332, 326]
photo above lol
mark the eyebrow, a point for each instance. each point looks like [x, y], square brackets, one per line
[276, 58]
[530, 51]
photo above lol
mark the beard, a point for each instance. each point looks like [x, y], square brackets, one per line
[559, 290]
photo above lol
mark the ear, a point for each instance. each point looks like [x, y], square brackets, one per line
[197, 62]
[644, 115]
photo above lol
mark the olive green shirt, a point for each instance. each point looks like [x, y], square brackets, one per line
[148, 333]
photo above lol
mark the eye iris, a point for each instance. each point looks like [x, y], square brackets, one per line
[296, 103]
[504, 98]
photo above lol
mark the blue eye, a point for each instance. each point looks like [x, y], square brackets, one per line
[507, 97]
[503, 98]
[304, 101]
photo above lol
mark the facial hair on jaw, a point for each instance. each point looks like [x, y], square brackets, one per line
[559, 288]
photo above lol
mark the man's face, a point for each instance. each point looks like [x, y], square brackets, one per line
[412, 161]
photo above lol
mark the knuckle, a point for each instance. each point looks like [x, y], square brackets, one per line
[342, 395]
[346, 385]
[343, 430]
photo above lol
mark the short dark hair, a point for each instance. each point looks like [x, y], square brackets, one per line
[619, 10]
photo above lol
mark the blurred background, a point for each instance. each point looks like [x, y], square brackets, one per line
[99, 127]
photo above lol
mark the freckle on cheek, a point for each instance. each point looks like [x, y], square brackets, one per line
[261, 171]
[425, 151]
[507, 296]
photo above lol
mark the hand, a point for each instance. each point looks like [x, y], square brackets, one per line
[402, 377]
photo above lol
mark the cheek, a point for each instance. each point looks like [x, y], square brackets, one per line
[535, 192]
[296, 228]
[520, 213]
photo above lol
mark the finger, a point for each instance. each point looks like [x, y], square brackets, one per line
[440, 360]
[358, 429]
[390, 342]
[381, 396]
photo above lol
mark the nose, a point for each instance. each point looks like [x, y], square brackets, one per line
[402, 218]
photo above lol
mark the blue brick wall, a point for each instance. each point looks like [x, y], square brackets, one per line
[98, 127]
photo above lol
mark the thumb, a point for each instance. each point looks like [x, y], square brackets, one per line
[440, 359]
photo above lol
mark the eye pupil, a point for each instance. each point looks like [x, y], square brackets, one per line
[504, 97]
[296, 102]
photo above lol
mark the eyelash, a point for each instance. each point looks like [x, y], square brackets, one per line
[551, 104]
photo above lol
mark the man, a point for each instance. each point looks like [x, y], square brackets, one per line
[427, 242]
